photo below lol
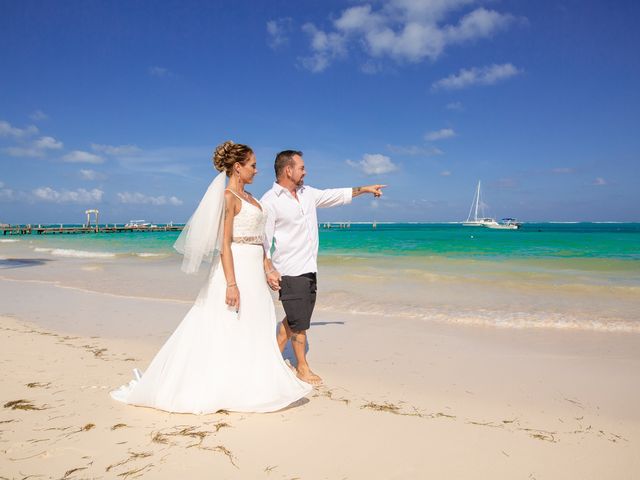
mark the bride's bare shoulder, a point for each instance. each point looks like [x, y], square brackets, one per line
[231, 201]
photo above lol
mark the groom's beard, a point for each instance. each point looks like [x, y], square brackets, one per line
[300, 183]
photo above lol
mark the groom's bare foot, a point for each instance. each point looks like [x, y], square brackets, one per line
[306, 375]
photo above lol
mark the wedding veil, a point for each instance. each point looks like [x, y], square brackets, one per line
[201, 238]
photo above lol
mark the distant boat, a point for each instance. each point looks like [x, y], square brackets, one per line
[505, 224]
[473, 220]
[139, 224]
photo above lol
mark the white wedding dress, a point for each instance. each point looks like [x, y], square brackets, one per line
[218, 359]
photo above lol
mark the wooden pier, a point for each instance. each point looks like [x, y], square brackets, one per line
[51, 230]
[16, 229]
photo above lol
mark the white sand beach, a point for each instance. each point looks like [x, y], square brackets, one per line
[402, 399]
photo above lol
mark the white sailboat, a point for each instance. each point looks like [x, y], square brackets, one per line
[472, 219]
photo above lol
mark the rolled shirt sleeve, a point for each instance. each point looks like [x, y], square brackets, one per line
[332, 197]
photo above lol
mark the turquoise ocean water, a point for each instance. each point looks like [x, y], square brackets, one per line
[559, 241]
[558, 275]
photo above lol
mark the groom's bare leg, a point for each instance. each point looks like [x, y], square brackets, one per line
[299, 344]
[284, 334]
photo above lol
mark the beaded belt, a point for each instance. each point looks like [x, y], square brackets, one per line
[257, 240]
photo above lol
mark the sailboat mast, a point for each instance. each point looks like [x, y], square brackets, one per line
[477, 201]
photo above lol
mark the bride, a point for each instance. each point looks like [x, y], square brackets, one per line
[224, 354]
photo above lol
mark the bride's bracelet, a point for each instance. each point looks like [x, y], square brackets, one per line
[270, 271]
[229, 285]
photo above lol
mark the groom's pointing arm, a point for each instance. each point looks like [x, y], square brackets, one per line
[334, 197]
[331, 197]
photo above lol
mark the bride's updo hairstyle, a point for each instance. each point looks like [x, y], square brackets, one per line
[228, 153]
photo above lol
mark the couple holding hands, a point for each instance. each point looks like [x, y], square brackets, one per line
[224, 354]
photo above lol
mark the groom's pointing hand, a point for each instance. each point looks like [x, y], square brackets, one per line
[376, 190]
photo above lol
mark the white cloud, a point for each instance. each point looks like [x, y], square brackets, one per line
[38, 115]
[488, 75]
[7, 130]
[23, 152]
[36, 149]
[401, 30]
[80, 195]
[158, 71]
[374, 164]
[48, 143]
[141, 198]
[414, 150]
[115, 149]
[79, 156]
[278, 31]
[325, 46]
[88, 174]
[480, 23]
[455, 106]
[599, 181]
[445, 173]
[440, 134]
[6, 194]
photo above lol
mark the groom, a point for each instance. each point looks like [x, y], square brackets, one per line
[292, 227]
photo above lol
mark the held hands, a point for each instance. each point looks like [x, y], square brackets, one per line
[273, 279]
[233, 296]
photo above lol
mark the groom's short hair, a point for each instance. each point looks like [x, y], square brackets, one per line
[285, 159]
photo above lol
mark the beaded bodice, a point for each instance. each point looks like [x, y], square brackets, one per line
[248, 224]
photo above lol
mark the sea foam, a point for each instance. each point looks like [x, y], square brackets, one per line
[67, 252]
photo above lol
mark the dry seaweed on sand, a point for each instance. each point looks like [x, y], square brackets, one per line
[133, 472]
[328, 393]
[158, 437]
[220, 425]
[485, 424]
[544, 436]
[382, 407]
[84, 428]
[119, 425]
[227, 452]
[442, 415]
[132, 456]
[391, 408]
[185, 431]
[38, 385]
[68, 473]
[22, 404]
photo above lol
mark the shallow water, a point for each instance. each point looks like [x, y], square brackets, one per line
[569, 276]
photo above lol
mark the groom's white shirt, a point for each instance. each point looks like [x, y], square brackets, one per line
[293, 224]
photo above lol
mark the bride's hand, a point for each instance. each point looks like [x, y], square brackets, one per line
[233, 297]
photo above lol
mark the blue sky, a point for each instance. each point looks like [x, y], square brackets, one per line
[117, 105]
